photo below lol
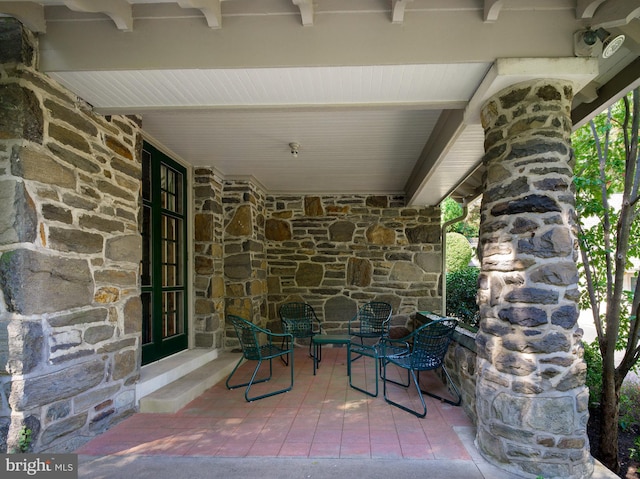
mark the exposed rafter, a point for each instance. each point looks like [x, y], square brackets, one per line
[397, 10]
[615, 13]
[306, 11]
[118, 10]
[210, 9]
[30, 14]
[587, 8]
[492, 10]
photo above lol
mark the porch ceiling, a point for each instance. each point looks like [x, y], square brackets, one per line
[382, 96]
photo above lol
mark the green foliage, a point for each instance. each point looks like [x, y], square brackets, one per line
[451, 209]
[24, 439]
[597, 185]
[459, 252]
[634, 452]
[607, 181]
[630, 406]
[462, 286]
[594, 371]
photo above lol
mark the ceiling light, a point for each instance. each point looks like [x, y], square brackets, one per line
[294, 149]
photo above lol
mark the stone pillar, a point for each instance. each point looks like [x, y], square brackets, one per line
[208, 283]
[70, 311]
[531, 397]
[245, 263]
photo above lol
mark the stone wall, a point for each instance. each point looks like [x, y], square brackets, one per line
[208, 284]
[338, 252]
[245, 267]
[460, 362]
[69, 255]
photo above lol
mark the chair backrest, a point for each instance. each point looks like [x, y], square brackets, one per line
[297, 319]
[248, 337]
[373, 317]
[430, 344]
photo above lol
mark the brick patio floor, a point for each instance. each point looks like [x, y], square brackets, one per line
[321, 417]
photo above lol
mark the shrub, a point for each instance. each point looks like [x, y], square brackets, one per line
[630, 406]
[594, 371]
[462, 286]
[459, 252]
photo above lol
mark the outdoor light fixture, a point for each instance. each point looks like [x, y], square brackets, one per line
[586, 41]
[294, 149]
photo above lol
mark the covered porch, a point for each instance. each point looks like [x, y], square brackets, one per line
[319, 180]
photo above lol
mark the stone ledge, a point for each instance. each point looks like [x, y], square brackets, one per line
[175, 395]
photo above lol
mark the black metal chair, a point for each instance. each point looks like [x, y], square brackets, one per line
[371, 321]
[253, 349]
[300, 321]
[422, 350]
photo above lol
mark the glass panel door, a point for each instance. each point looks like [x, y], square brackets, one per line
[163, 270]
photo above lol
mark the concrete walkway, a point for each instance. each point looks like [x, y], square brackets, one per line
[206, 467]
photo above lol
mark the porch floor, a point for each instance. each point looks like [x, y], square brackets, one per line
[321, 417]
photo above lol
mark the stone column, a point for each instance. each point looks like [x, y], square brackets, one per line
[70, 310]
[531, 397]
[209, 279]
[245, 268]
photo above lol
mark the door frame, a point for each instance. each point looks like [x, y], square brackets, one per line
[188, 263]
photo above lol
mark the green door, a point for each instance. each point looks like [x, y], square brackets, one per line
[163, 275]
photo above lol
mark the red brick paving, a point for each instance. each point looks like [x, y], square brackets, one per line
[322, 417]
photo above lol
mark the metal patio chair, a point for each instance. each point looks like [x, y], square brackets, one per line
[422, 350]
[300, 321]
[253, 349]
[371, 321]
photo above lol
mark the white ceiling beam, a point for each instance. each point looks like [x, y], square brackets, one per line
[492, 10]
[30, 14]
[118, 10]
[615, 13]
[306, 11]
[587, 8]
[397, 10]
[211, 10]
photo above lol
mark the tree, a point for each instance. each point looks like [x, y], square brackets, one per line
[607, 164]
[470, 225]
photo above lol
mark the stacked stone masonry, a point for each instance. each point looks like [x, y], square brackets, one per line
[531, 399]
[245, 267]
[338, 252]
[209, 280]
[69, 254]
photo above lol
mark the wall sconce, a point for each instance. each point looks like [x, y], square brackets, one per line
[294, 149]
[586, 43]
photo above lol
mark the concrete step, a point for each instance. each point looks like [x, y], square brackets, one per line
[181, 391]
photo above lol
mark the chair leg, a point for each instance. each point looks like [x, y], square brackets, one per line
[384, 378]
[376, 365]
[316, 356]
[285, 346]
[251, 381]
[453, 386]
[404, 408]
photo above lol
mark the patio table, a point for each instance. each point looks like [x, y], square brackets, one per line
[319, 339]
